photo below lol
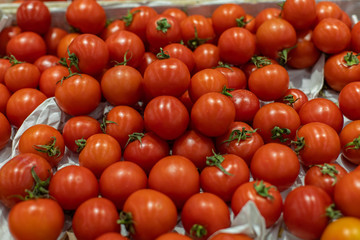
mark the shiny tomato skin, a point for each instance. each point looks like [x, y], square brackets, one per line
[349, 97]
[95, 217]
[206, 56]
[64, 43]
[52, 39]
[266, 14]
[269, 207]
[355, 37]
[46, 61]
[146, 205]
[327, 9]
[246, 105]
[230, 236]
[128, 175]
[215, 181]
[348, 136]
[304, 211]
[39, 135]
[5, 35]
[49, 79]
[172, 236]
[148, 57]
[225, 16]
[179, 184]
[176, 13]
[4, 97]
[78, 95]
[27, 72]
[41, 219]
[300, 13]
[166, 116]
[181, 52]
[235, 76]
[111, 236]
[5, 131]
[115, 26]
[345, 228]
[296, 100]
[4, 66]
[276, 164]
[72, 185]
[21, 104]
[15, 176]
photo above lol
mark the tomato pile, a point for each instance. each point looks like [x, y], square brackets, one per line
[198, 117]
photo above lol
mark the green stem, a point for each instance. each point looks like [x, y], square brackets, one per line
[162, 54]
[163, 25]
[299, 143]
[50, 149]
[262, 190]
[330, 170]
[129, 17]
[351, 59]
[216, 161]
[127, 220]
[196, 41]
[240, 135]
[332, 213]
[355, 144]
[81, 143]
[198, 231]
[226, 91]
[135, 136]
[278, 133]
[289, 100]
[283, 55]
[260, 61]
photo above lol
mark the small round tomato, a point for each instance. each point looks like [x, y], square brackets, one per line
[294, 97]
[50, 77]
[246, 105]
[42, 219]
[206, 56]
[355, 37]
[114, 27]
[349, 97]
[176, 13]
[111, 236]
[27, 72]
[4, 97]
[266, 14]
[126, 174]
[4, 66]
[327, 9]
[277, 164]
[235, 76]
[147, 58]
[181, 52]
[226, 16]
[52, 39]
[266, 197]
[64, 43]
[173, 236]
[349, 139]
[231, 236]
[5, 131]
[46, 61]
[300, 14]
[345, 228]
[72, 185]
[5, 35]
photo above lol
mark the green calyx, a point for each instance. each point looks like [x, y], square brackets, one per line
[198, 231]
[196, 41]
[104, 123]
[327, 169]
[278, 133]
[351, 59]
[299, 144]
[331, 213]
[81, 143]
[226, 91]
[135, 136]
[128, 19]
[50, 149]
[13, 60]
[283, 55]
[126, 60]
[163, 25]
[40, 188]
[162, 54]
[355, 144]
[126, 219]
[239, 135]
[216, 161]
[262, 190]
[260, 61]
[289, 100]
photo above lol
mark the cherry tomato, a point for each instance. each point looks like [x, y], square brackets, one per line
[355, 37]
[147, 58]
[345, 228]
[111, 236]
[246, 105]
[231, 236]
[349, 136]
[4, 66]
[27, 72]
[327, 9]
[5, 35]
[4, 98]
[206, 56]
[176, 13]
[46, 61]
[349, 97]
[49, 79]
[52, 39]
[226, 16]
[115, 26]
[235, 76]
[64, 44]
[300, 14]
[172, 236]
[294, 97]
[266, 14]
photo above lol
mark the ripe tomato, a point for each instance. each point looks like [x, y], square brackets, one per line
[95, 217]
[277, 122]
[33, 16]
[27, 72]
[223, 175]
[122, 121]
[246, 105]
[46, 61]
[255, 63]
[16, 176]
[41, 219]
[241, 140]
[121, 85]
[78, 12]
[236, 45]
[145, 150]
[101, 150]
[205, 81]
[347, 194]
[111, 236]
[4, 97]
[269, 82]
[266, 197]
[276, 164]
[64, 44]
[49, 79]
[4, 66]
[349, 139]
[300, 14]
[294, 97]
[206, 56]
[177, 177]
[147, 58]
[345, 228]
[235, 76]
[166, 116]
[176, 13]
[181, 52]
[322, 110]
[266, 14]
[226, 16]
[52, 39]
[327, 9]
[72, 185]
[317, 143]
[21, 104]
[128, 175]
[26, 46]
[331, 36]
[199, 212]
[355, 37]
[91, 54]
[230, 236]
[172, 236]
[304, 211]
[78, 94]
[5, 131]
[325, 176]
[5, 35]
[141, 205]
[214, 106]
[125, 42]
[115, 26]
[348, 98]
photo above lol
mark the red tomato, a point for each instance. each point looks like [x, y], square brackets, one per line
[166, 116]
[305, 211]
[347, 194]
[50, 77]
[266, 14]
[122, 121]
[206, 56]
[16, 177]
[128, 175]
[226, 16]
[331, 36]
[317, 143]
[41, 219]
[181, 52]
[322, 110]
[325, 176]
[125, 42]
[255, 63]
[78, 12]
[199, 212]
[246, 105]
[223, 175]
[52, 39]
[141, 205]
[121, 85]
[235, 76]
[33, 16]
[172, 236]
[236, 45]
[88, 53]
[231, 236]
[72, 185]
[300, 14]
[176, 13]
[355, 37]
[5, 131]
[241, 140]
[114, 27]
[348, 98]
[349, 139]
[269, 82]
[95, 217]
[5, 35]
[46, 61]
[177, 177]
[294, 97]
[276, 164]
[147, 58]
[4, 97]
[22, 103]
[78, 94]
[4, 66]
[27, 72]
[145, 150]
[265, 196]
[101, 150]
[345, 228]
[26, 46]
[111, 236]
[77, 129]
[327, 9]
[64, 44]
